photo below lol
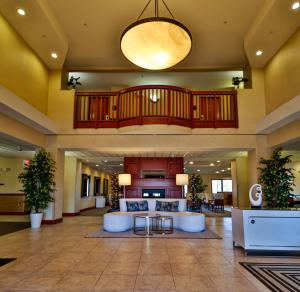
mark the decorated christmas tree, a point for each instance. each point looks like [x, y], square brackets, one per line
[115, 189]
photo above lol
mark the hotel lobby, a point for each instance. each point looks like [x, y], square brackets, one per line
[154, 121]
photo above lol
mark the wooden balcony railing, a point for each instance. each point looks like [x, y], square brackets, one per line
[143, 105]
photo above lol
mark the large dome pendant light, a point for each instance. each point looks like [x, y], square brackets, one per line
[156, 43]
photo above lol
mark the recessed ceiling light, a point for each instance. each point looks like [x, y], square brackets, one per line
[184, 168]
[217, 172]
[258, 53]
[191, 162]
[218, 161]
[97, 164]
[105, 161]
[295, 5]
[228, 168]
[121, 164]
[198, 170]
[54, 55]
[21, 11]
[212, 164]
[222, 170]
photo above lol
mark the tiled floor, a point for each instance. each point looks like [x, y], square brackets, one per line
[58, 258]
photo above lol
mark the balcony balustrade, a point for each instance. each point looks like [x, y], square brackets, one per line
[144, 105]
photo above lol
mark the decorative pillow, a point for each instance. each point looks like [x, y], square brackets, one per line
[134, 206]
[167, 206]
[143, 205]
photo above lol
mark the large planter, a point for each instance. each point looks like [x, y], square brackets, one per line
[36, 220]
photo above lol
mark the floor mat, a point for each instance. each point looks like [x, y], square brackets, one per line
[276, 276]
[6, 261]
[9, 227]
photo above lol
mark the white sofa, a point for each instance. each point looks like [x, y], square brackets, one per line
[187, 221]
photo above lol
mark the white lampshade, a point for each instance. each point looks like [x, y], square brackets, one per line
[182, 179]
[124, 179]
[156, 43]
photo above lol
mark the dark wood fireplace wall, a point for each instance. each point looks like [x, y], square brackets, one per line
[169, 166]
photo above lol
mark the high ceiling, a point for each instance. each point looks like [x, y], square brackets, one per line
[86, 34]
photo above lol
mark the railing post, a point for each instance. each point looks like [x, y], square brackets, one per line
[169, 106]
[215, 109]
[191, 109]
[141, 106]
[117, 109]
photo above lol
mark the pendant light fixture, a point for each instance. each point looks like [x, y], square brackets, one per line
[156, 43]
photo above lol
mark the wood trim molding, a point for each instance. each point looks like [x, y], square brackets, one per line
[50, 222]
[15, 213]
[11, 194]
[71, 214]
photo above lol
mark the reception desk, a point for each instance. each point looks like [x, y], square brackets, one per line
[12, 204]
[266, 230]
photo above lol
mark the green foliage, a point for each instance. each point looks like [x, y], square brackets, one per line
[277, 179]
[38, 183]
[115, 190]
[196, 187]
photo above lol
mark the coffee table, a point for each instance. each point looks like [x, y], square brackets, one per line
[149, 223]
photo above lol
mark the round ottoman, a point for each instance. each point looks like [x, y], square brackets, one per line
[191, 222]
[116, 221]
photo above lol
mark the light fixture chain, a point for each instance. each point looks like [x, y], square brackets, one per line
[144, 9]
[168, 8]
[156, 8]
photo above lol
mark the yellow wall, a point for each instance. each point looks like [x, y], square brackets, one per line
[282, 74]
[10, 178]
[22, 72]
[14, 128]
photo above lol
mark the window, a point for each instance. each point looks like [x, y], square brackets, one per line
[97, 185]
[221, 185]
[85, 185]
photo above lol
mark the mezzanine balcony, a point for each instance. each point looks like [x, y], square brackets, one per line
[156, 104]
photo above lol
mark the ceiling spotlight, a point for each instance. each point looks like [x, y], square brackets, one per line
[212, 164]
[21, 11]
[228, 168]
[121, 164]
[105, 161]
[198, 170]
[295, 5]
[97, 165]
[156, 42]
[217, 172]
[54, 55]
[222, 170]
[258, 53]
[184, 168]
[218, 161]
[191, 162]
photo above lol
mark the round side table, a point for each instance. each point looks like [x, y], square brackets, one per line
[150, 222]
[164, 225]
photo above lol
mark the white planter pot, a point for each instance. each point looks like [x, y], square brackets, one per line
[36, 219]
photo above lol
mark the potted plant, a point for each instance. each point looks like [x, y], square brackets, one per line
[277, 179]
[38, 183]
[196, 187]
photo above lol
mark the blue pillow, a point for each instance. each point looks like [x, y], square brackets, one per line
[134, 206]
[167, 206]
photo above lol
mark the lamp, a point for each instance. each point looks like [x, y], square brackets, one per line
[156, 43]
[124, 180]
[182, 179]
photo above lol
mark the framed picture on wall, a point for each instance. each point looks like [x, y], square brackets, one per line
[85, 185]
[105, 186]
[97, 185]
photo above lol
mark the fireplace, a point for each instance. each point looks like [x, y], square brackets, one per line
[153, 193]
